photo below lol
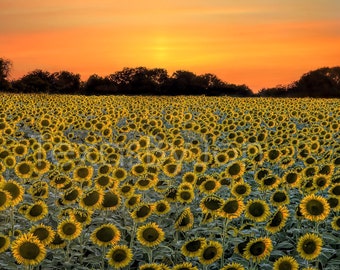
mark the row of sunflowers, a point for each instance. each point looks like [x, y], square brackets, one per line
[156, 183]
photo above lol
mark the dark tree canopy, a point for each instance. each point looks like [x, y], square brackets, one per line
[323, 82]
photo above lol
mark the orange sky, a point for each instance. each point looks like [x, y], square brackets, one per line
[260, 43]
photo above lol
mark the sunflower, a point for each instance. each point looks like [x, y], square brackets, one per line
[270, 182]
[309, 246]
[314, 207]
[44, 233]
[279, 197]
[241, 190]
[82, 216]
[82, 173]
[273, 155]
[185, 195]
[111, 200]
[210, 252]
[103, 181]
[119, 256]
[334, 190]
[10, 161]
[150, 234]
[132, 201]
[231, 208]
[185, 220]
[28, 250]
[257, 210]
[292, 178]
[278, 220]
[258, 249]
[189, 177]
[5, 199]
[15, 190]
[23, 169]
[138, 169]
[41, 166]
[200, 168]
[119, 174]
[321, 182]
[193, 247]
[235, 169]
[221, 158]
[142, 211]
[69, 229]
[37, 211]
[184, 266]
[209, 186]
[71, 195]
[162, 207]
[211, 204]
[336, 223]
[92, 199]
[146, 182]
[126, 190]
[286, 262]
[150, 266]
[104, 235]
[233, 266]
[5, 242]
[171, 169]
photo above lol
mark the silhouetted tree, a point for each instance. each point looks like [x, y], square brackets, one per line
[37, 81]
[5, 69]
[97, 85]
[65, 82]
[323, 82]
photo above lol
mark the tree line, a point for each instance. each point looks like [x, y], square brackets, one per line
[323, 82]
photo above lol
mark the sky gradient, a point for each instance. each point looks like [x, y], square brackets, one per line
[259, 43]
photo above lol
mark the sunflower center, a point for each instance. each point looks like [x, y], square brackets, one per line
[241, 189]
[29, 251]
[3, 198]
[41, 233]
[257, 248]
[185, 195]
[143, 211]
[119, 255]
[143, 182]
[285, 266]
[193, 246]
[231, 207]
[91, 198]
[268, 181]
[277, 219]
[2, 241]
[279, 196]
[69, 228]
[105, 234]
[103, 180]
[256, 209]
[234, 169]
[24, 168]
[83, 172]
[309, 246]
[161, 207]
[36, 210]
[315, 207]
[13, 189]
[72, 195]
[273, 154]
[185, 220]
[209, 253]
[209, 185]
[150, 234]
[110, 200]
[212, 204]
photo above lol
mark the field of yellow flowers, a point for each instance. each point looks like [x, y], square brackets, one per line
[156, 183]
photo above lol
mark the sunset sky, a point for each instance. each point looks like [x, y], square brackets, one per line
[260, 43]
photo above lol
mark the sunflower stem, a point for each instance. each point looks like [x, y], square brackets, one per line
[102, 263]
[133, 234]
[12, 219]
[150, 255]
[67, 254]
[225, 225]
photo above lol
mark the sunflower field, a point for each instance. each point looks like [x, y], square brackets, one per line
[156, 183]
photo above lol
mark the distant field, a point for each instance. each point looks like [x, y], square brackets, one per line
[160, 183]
